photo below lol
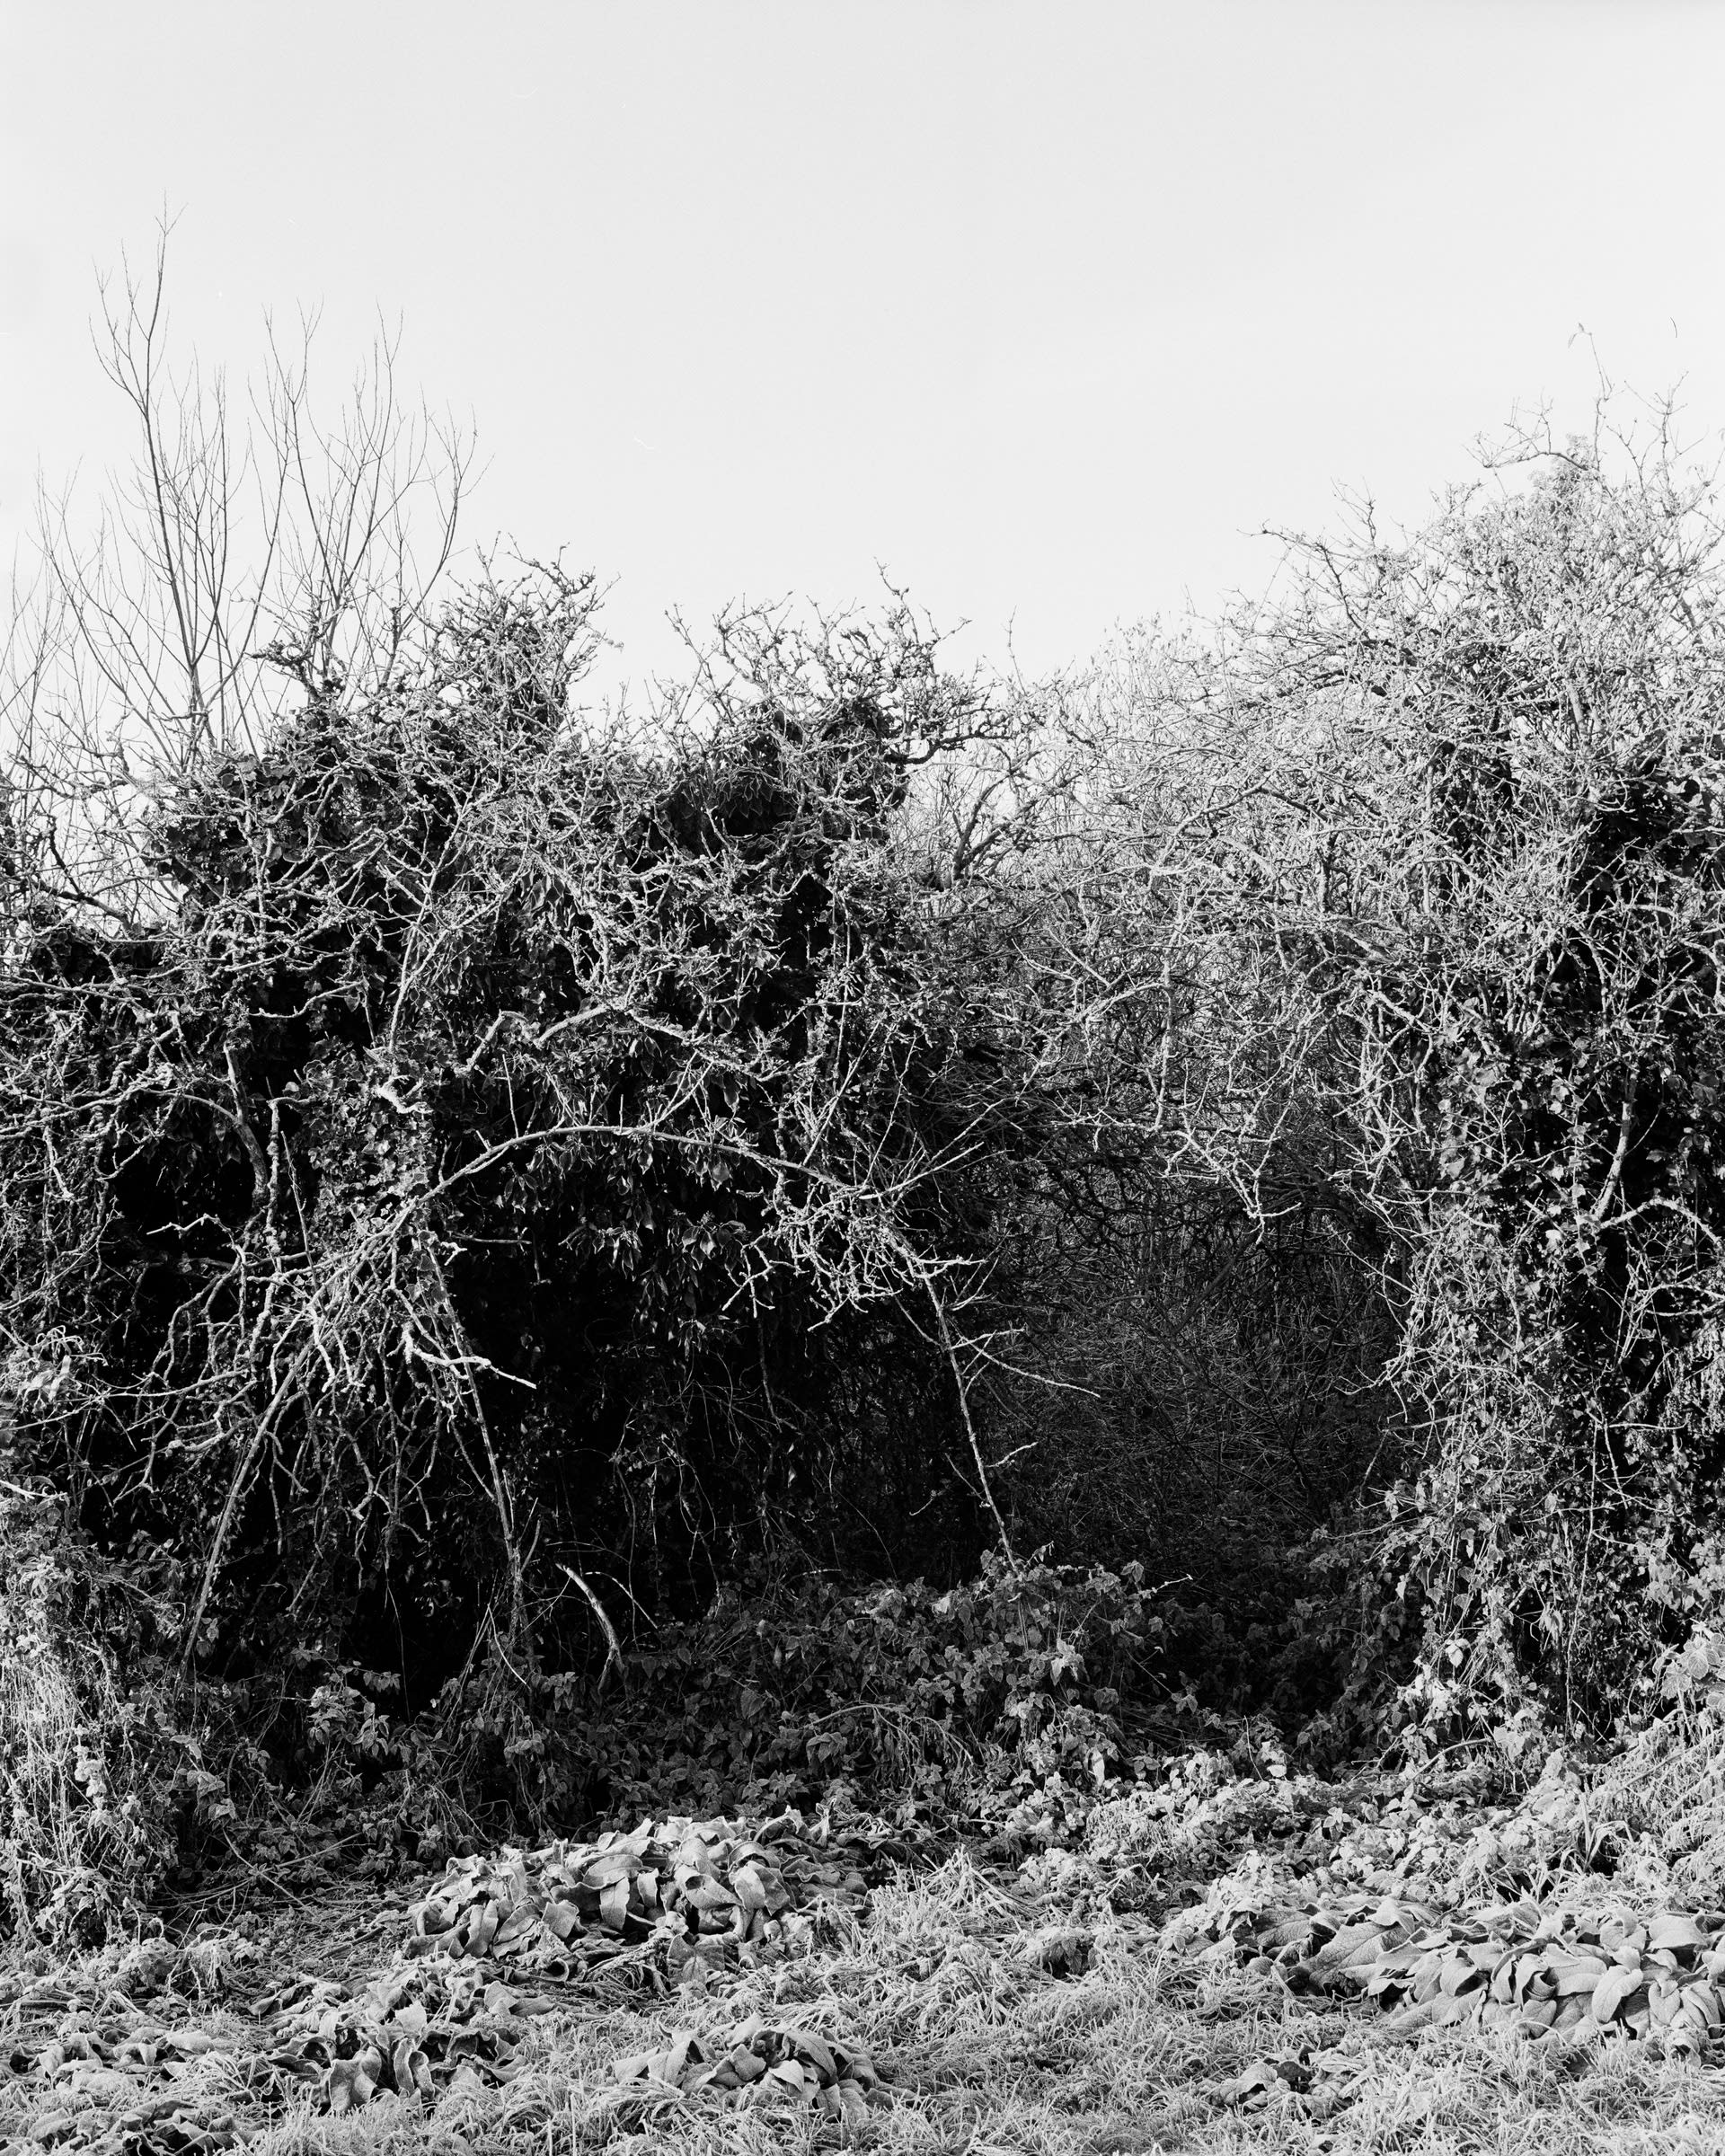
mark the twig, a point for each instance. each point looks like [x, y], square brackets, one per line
[612, 1645]
[969, 1426]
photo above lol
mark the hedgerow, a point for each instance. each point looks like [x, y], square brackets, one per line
[490, 1175]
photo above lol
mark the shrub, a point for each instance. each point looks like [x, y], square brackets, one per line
[498, 1143]
[1465, 885]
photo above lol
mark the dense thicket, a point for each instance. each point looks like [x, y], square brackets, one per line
[500, 1147]
[1457, 874]
[482, 1177]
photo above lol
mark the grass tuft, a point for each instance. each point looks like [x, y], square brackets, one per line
[83, 1837]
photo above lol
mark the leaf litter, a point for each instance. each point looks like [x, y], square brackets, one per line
[497, 1942]
[189, 2048]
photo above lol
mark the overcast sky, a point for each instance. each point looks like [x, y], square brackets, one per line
[1044, 308]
